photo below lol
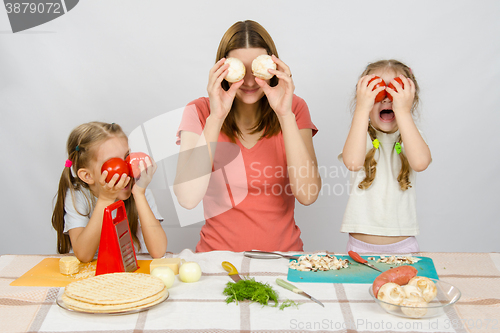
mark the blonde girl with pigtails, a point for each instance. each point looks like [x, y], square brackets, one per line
[83, 194]
[384, 150]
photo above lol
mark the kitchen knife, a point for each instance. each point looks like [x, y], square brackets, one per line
[356, 257]
[269, 255]
[231, 271]
[291, 287]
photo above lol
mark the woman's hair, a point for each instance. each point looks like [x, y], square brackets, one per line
[241, 35]
[82, 146]
[370, 163]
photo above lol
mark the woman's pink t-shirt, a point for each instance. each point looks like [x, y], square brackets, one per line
[249, 204]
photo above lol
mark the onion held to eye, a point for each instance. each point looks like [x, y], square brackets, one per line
[236, 70]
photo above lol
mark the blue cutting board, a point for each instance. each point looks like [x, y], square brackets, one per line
[359, 273]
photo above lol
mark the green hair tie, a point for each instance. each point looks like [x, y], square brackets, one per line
[376, 143]
[398, 148]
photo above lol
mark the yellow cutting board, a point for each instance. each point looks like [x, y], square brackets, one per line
[46, 274]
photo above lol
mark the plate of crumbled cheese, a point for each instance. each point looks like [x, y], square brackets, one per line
[342, 269]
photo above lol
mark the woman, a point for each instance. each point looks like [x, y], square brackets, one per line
[272, 132]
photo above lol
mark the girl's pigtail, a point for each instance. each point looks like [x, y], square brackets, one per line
[63, 240]
[133, 217]
[69, 181]
[404, 173]
[370, 163]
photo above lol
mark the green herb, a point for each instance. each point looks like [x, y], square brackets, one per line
[288, 303]
[251, 290]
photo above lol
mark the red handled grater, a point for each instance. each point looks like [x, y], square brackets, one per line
[116, 248]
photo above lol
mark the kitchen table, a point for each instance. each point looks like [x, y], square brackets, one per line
[201, 306]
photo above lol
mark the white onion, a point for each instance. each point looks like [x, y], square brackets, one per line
[166, 274]
[190, 272]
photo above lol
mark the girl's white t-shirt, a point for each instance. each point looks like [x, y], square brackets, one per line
[383, 209]
[74, 219]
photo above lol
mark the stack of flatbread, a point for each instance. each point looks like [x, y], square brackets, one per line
[116, 292]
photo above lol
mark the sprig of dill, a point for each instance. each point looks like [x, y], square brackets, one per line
[251, 290]
[289, 303]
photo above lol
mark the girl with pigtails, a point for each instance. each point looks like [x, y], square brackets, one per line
[83, 194]
[383, 150]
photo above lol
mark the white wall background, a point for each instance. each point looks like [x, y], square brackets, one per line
[128, 61]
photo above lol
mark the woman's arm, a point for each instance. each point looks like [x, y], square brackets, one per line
[417, 151]
[354, 151]
[302, 165]
[194, 165]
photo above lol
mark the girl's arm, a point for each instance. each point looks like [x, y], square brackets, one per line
[417, 151]
[354, 151]
[85, 241]
[195, 161]
[301, 160]
[154, 235]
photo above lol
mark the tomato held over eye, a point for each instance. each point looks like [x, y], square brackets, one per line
[381, 95]
[113, 166]
[398, 80]
[133, 160]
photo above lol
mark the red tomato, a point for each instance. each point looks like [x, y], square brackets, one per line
[381, 95]
[114, 165]
[398, 80]
[133, 160]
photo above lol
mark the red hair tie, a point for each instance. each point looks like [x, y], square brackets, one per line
[68, 164]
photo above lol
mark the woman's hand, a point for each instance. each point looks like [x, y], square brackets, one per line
[109, 191]
[279, 97]
[402, 99]
[365, 95]
[147, 169]
[220, 100]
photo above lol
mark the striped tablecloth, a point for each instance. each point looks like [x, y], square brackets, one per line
[201, 306]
